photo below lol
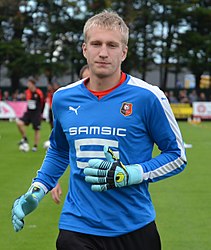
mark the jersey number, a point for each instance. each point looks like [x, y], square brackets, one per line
[88, 154]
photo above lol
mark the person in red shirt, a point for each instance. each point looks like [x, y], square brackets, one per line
[49, 97]
[33, 114]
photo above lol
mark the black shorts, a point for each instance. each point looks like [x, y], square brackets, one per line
[146, 238]
[32, 117]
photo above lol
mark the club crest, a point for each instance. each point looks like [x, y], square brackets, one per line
[126, 108]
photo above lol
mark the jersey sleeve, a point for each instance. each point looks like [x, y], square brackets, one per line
[166, 134]
[56, 159]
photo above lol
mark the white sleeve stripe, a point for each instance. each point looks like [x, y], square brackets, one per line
[71, 85]
[167, 109]
[163, 170]
[174, 127]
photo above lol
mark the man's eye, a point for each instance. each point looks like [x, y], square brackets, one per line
[96, 44]
[112, 45]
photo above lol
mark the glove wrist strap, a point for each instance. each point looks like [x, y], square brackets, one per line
[38, 190]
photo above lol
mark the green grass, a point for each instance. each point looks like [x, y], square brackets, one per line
[17, 171]
[182, 203]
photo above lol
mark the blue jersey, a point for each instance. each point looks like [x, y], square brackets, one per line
[131, 120]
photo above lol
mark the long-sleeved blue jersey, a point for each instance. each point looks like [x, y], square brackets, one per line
[131, 120]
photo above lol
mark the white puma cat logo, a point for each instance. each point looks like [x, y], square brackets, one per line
[74, 109]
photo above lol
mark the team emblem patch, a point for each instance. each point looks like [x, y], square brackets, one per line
[126, 109]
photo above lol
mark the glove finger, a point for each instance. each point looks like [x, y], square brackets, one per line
[15, 218]
[17, 228]
[109, 154]
[17, 208]
[94, 172]
[93, 179]
[18, 222]
[99, 188]
[16, 203]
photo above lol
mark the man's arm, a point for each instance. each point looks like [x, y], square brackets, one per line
[54, 165]
[164, 131]
[27, 203]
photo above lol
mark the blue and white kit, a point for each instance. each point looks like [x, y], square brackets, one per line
[131, 120]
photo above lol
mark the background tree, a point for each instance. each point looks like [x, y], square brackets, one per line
[195, 43]
[139, 17]
[39, 37]
[55, 33]
[169, 16]
[45, 37]
[13, 53]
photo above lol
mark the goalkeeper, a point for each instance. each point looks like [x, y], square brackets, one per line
[105, 128]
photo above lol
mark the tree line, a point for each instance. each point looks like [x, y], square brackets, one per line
[45, 37]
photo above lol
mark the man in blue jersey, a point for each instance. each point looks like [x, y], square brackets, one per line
[105, 128]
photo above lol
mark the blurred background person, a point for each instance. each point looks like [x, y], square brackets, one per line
[51, 88]
[172, 98]
[6, 96]
[84, 72]
[193, 97]
[183, 97]
[33, 115]
[202, 97]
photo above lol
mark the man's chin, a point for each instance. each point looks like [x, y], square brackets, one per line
[102, 75]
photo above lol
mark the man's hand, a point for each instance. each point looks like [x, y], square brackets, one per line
[25, 205]
[104, 175]
[56, 193]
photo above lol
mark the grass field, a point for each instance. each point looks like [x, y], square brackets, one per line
[183, 203]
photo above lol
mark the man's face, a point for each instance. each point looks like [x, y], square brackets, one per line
[104, 51]
[31, 86]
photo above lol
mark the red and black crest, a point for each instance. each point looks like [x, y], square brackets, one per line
[126, 108]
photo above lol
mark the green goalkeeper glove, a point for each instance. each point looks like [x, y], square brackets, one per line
[26, 204]
[104, 175]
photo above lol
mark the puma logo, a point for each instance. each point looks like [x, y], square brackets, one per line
[74, 109]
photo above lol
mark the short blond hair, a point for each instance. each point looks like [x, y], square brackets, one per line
[108, 20]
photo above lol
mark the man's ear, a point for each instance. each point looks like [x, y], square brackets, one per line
[124, 53]
[84, 49]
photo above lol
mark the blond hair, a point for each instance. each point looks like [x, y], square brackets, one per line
[109, 20]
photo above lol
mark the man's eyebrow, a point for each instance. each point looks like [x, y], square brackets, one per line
[99, 41]
[96, 40]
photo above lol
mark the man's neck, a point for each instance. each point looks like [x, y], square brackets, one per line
[101, 84]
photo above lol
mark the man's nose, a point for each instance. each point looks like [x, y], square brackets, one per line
[103, 51]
